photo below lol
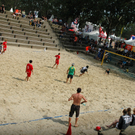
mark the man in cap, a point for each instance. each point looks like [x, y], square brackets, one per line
[70, 72]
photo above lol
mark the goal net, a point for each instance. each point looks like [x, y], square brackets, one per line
[124, 64]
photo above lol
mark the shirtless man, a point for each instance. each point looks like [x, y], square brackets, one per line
[76, 105]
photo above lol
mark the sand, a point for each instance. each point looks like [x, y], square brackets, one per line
[24, 105]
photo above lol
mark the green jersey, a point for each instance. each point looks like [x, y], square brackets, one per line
[71, 70]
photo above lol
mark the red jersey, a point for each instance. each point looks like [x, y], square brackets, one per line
[57, 57]
[4, 45]
[29, 68]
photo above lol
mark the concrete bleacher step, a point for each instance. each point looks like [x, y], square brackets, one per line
[24, 33]
[18, 32]
[15, 22]
[32, 46]
[74, 47]
[19, 40]
[7, 34]
[23, 21]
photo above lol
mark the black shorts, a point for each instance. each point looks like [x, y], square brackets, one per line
[74, 108]
[70, 76]
[107, 72]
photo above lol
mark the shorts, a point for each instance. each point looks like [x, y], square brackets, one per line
[70, 76]
[28, 74]
[107, 72]
[82, 72]
[57, 62]
[4, 49]
[74, 108]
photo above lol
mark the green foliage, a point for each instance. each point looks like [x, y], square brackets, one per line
[111, 14]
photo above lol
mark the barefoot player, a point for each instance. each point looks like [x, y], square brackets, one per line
[29, 69]
[57, 60]
[4, 46]
[76, 105]
[83, 70]
[70, 72]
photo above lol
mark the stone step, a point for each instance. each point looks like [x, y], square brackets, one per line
[6, 34]
[18, 23]
[24, 29]
[19, 40]
[24, 33]
[31, 46]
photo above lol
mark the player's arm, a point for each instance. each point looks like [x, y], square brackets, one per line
[74, 72]
[67, 70]
[84, 100]
[71, 98]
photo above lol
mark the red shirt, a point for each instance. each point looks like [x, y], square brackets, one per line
[4, 44]
[29, 68]
[57, 57]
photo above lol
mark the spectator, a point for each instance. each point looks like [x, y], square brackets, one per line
[133, 118]
[2, 8]
[60, 22]
[23, 13]
[75, 40]
[0, 48]
[124, 120]
[44, 18]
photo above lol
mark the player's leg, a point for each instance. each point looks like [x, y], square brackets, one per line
[76, 120]
[67, 78]
[71, 113]
[77, 115]
[71, 77]
[54, 65]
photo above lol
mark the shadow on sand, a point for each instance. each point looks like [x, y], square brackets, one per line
[59, 80]
[18, 79]
[48, 67]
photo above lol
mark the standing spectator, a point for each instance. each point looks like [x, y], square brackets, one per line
[70, 72]
[2, 8]
[0, 48]
[4, 46]
[29, 69]
[23, 13]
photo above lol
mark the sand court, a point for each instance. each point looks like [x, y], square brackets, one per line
[26, 104]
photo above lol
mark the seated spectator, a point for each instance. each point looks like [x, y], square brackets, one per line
[38, 23]
[18, 12]
[123, 63]
[44, 18]
[55, 21]
[124, 120]
[62, 31]
[133, 118]
[75, 40]
[88, 49]
[14, 16]
[2, 8]
[60, 22]
[23, 13]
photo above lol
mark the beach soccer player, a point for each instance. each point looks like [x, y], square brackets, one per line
[29, 69]
[83, 70]
[57, 60]
[75, 107]
[4, 46]
[107, 71]
[70, 72]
